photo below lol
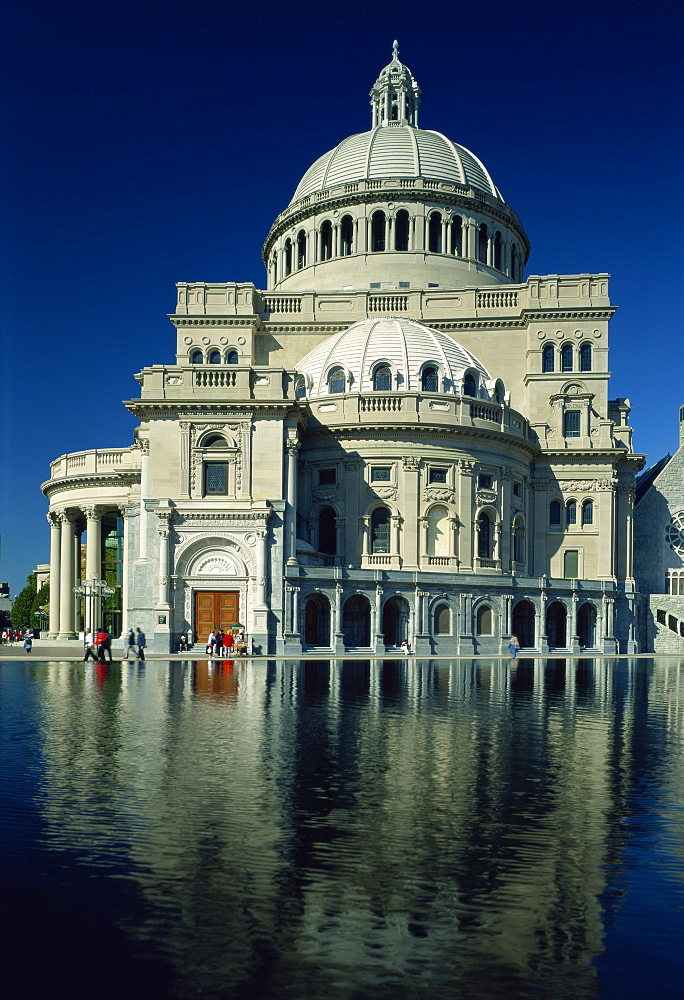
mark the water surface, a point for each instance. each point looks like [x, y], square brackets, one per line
[343, 829]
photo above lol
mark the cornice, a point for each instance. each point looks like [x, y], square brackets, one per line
[121, 479]
[423, 434]
[179, 319]
[178, 409]
[579, 312]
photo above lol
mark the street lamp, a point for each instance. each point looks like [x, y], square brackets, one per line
[92, 591]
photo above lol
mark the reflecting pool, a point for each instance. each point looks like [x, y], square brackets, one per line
[343, 829]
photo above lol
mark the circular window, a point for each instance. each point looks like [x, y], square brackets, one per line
[674, 533]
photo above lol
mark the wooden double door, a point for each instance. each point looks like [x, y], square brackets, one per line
[214, 608]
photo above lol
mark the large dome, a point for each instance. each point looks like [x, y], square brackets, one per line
[407, 346]
[396, 150]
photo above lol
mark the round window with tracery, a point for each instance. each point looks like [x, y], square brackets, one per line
[674, 533]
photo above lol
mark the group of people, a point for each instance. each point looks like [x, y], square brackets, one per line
[98, 645]
[220, 643]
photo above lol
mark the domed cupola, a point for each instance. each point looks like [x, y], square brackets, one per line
[393, 354]
[397, 206]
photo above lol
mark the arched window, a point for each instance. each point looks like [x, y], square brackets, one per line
[554, 514]
[518, 541]
[435, 233]
[429, 379]
[484, 536]
[484, 620]
[378, 231]
[438, 532]
[380, 530]
[588, 512]
[571, 512]
[469, 385]
[515, 263]
[274, 266]
[457, 236]
[382, 378]
[214, 357]
[232, 358]
[327, 532]
[442, 620]
[497, 251]
[566, 358]
[336, 380]
[300, 388]
[346, 235]
[301, 249]
[401, 230]
[326, 240]
[288, 256]
[585, 358]
[548, 358]
[196, 358]
[482, 244]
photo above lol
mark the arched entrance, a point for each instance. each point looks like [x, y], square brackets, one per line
[556, 625]
[523, 623]
[356, 621]
[395, 618]
[317, 621]
[586, 625]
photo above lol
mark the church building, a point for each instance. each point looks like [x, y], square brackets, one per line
[400, 437]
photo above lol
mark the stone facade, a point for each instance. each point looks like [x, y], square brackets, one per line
[399, 438]
[659, 552]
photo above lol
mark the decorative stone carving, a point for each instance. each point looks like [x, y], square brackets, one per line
[325, 492]
[410, 463]
[431, 493]
[381, 493]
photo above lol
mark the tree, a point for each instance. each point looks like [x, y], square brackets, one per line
[20, 615]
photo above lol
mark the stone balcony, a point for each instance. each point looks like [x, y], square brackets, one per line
[96, 463]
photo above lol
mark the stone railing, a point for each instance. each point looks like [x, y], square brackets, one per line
[92, 463]
[480, 412]
[388, 303]
[497, 300]
[217, 378]
[282, 303]
[380, 404]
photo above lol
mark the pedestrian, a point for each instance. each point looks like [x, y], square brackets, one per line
[210, 643]
[140, 639]
[89, 647]
[228, 642]
[183, 645]
[131, 644]
[405, 647]
[101, 643]
[220, 638]
[513, 646]
[28, 643]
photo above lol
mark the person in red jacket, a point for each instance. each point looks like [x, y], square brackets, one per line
[101, 641]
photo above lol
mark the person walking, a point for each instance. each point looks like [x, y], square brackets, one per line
[228, 642]
[89, 647]
[140, 640]
[101, 643]
[28, 642]
[131, 649]
[220, 639]
[210, 642]
[513, 646]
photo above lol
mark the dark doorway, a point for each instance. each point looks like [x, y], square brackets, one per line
[556, 625]
[317, 621]
[586, 625]
[356, 621]
[523, 623]
[395, 618]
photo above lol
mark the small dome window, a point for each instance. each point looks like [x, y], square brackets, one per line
[382, 378]
[435, 233]
[300, 388]
[196, 358]
[497, 251]
[301, 249]
[346, 235]
[336, 380]
[288, 256]
[401, 230]
[469, 385]
[378, 231]
[482, 237]
[215, 358]
[232, 358]
[429, 379]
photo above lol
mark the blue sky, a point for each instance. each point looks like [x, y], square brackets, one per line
[154, 142]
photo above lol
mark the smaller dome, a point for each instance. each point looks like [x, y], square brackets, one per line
[406, 346]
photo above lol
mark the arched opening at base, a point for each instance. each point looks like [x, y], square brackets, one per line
[523, 624]
[586, 625]
[356, 621]
[395, 618]
[556, 625]
[317, 621]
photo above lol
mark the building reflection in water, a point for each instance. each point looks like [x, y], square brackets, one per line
[369, 822]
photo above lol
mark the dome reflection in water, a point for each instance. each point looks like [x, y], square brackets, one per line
[339, 829]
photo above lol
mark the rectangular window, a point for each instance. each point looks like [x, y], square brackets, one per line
[326, 477]
[484, 481]
[660, 617]
[381, 474]
[571, 421]
[216, 479]
[571, 564]
[438, 475]
[517, 489]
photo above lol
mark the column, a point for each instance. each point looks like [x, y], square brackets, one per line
[377, 615]
[445, 233]
[93, 543]
[164, 532]
[453, 547]
[55, 571]
[261, 568]
[124, 573]
[465, 506]
[67, 600]
[364, 524]
[339, 636]
[339, 541]
[573, 638]
[144, 491]
[394, 545]
[292, 450]
[423, 552]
